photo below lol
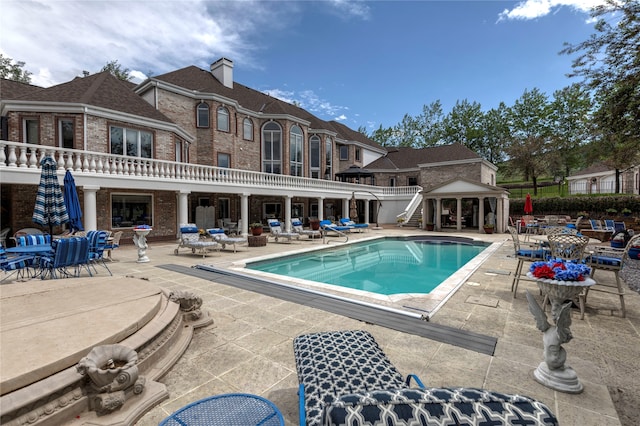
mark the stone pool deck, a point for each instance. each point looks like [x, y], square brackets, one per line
[248, 348]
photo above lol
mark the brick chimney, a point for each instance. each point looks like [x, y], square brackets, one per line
[222, 70]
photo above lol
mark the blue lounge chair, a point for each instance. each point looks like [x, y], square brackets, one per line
[296, 225]
[97, 246]
[346, 379]
[360, 227]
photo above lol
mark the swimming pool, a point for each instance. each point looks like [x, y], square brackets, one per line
[383, 266]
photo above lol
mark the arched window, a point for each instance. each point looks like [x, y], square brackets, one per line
[202, 115]
[247, 129]
[314, 156]
[296, 157]
[223, 119]
[272, 148]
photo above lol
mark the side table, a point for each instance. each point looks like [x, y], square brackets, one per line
[233, 409]
[257, 241]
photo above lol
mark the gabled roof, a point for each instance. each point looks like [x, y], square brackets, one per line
[100, 90]
[407, 157]
[463, 186]
[10, 89]
[196, 79]
[593, 169]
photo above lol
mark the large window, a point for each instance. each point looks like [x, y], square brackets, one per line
[272, 148]
[66, 133]
[224, 160]
[314, 156]
[182, 151]
[202, 115]
[247, 129]
[344, 152]
[272, 210]
[138, 143]
[295, 152]
[357, 154]
[31, 130]
[328, 152]
[224, 210]
[128, 210]
[223, 119]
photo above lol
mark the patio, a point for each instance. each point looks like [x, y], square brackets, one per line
[248, 348]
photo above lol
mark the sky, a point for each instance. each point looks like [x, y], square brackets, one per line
[364, 63]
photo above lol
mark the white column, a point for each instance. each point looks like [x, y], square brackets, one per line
[481, 214]
[183, 209]
[90, 212]
[244, 214]
[366, 210]
[438, 214]
[345, 207]
[459, 214]
[287, 213]
[320, 208]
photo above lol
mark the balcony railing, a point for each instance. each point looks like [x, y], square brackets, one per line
[16, 155]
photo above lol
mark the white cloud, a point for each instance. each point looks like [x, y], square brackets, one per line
[531, 9]
[348, 8]
[58, 40]
[310, 101]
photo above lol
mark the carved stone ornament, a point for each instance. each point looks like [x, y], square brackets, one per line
[189, 302]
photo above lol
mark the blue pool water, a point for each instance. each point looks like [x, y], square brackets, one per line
[392, 265]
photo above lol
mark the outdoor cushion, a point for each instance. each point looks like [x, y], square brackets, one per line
[215, 231]
[634, 253]
[605, 260]
[531, 253]
[436, 406]
[189, 229]
[33, 239]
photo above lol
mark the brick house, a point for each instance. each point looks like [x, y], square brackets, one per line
[161, 151]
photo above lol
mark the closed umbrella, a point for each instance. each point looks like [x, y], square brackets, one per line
[50, 209]
[72, 203]
[353, 209]
[528, 205]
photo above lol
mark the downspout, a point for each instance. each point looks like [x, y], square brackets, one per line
[84, 129]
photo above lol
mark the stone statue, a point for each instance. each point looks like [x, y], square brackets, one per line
[553, 372]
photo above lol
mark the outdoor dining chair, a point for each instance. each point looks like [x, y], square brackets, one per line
[611, 260]
[97, 246]
[68, 258]
[524, 252]
[113, 244]
[18, 264]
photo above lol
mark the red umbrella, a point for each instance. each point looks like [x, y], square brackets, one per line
[528, 205]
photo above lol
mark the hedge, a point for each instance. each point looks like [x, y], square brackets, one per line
[595, 206]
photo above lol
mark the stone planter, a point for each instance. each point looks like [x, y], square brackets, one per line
[488, 229]
[314, 224]
[256, 231]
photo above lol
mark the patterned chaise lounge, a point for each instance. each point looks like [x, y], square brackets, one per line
[224, 240]
[346, 379]
[190, 238]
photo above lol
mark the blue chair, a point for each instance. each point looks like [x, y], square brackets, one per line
[15, 264]
[68, 257]
[360, 227]
[97, 246]
[523, 253]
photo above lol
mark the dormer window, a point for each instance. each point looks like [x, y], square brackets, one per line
[202, 115]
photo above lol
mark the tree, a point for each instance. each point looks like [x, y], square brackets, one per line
[464, 124]
[570, 127]
[529, 119]
[117, 71]
[429, 125]
[13, 71]
[496, 134]
[382, 136]
[609, 63]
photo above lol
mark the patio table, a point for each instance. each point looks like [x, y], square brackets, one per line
[35, 249]
[233, 409]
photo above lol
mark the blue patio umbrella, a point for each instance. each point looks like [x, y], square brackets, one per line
[50, 209]
[72, 203]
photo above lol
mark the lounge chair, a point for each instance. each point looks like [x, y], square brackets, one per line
[17, 264]
[68, 258]
[190, 238]
[276, 231]
[524, 252]
[359, 227]
[223, 239]
[296, 225]
[346, 379]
